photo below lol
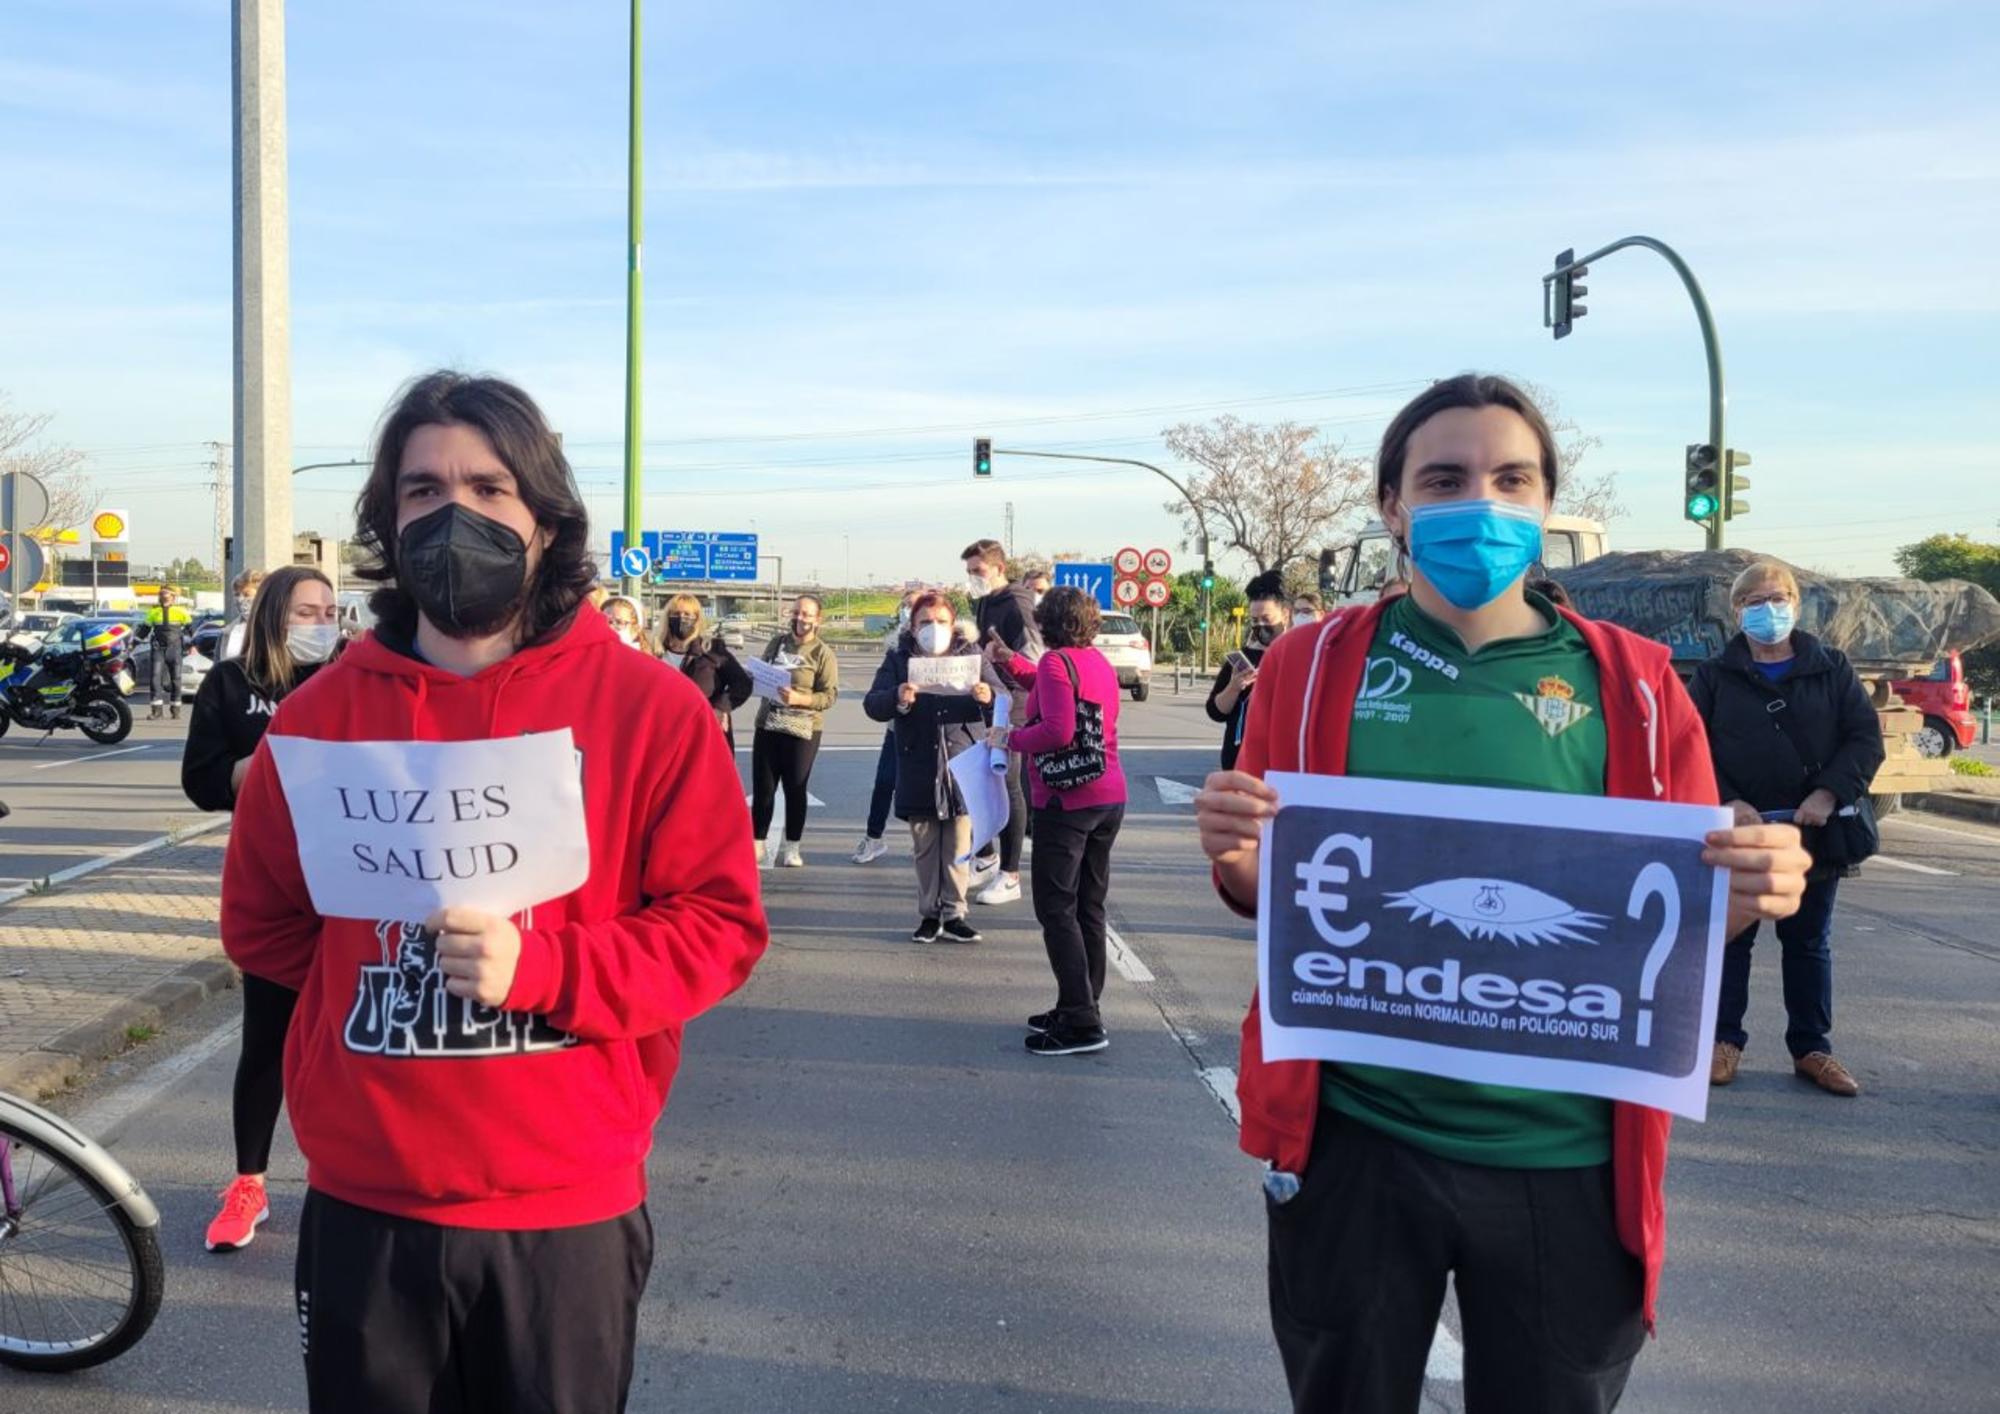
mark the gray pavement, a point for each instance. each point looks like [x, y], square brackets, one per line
[869, 1197]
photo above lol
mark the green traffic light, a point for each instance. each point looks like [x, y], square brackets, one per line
[1701, 507]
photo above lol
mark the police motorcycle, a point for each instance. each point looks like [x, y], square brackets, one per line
[80, 685]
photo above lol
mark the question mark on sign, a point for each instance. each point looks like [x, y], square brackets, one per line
[1655, 879]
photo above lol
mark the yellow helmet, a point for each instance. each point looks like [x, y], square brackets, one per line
[107, 641]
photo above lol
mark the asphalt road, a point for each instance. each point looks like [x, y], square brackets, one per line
[868, 1197]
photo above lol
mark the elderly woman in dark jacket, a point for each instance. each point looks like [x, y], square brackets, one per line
[1792, 731]
[931, 727]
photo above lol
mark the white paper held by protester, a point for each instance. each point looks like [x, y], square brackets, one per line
[768, 680]
[954, 673]
[984, 794]
[1001, 706]
[397, 829]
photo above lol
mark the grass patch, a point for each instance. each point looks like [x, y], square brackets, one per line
[139, 1033]
[1967, 766]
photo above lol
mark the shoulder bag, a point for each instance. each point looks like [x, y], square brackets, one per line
[1064, 768]
[1852, 834]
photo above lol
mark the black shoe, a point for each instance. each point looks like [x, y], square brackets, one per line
[957, 930]
[927, 931]
[1067, 1043]
[1041, 1021]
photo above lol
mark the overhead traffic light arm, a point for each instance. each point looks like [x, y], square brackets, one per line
[1200, 520]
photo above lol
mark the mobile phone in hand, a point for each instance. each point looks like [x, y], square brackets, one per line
[1238, 664]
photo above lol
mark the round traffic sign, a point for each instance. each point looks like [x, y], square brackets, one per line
[1129, 560]
[1126, 592]
[23, 559]
[1158, 562]
[5, 556]
[1158, 592]
[635, 561]
[29, 508]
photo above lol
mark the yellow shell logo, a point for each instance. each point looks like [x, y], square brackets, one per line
[108, 525]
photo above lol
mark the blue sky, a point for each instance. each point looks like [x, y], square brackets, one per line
[875, 229]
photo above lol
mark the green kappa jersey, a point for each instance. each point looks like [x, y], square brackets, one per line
[1520, 714]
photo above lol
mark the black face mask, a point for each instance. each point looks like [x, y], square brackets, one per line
[1264, 635]
[680, 625]
[465, 570]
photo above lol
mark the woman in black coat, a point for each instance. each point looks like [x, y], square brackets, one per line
[686, 644]
[1792, 731]
[931, 727]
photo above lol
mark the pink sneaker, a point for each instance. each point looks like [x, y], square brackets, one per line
[244, 1206]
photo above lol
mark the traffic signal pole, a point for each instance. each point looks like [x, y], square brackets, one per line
[635, 533]
[1711, 345]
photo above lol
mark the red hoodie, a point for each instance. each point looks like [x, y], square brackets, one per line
[409, 1101]
[1655, 750]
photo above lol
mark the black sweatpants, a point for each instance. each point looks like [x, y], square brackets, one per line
[1550, 1302]
[260, 1070]
[404, 1317]
[1071, 875]
[1017, 817]
[777, 759]
[166, 676]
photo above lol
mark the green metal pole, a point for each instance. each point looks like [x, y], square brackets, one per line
[634, 222]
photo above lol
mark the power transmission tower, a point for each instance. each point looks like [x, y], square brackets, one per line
[1009, 540]
[220, 482]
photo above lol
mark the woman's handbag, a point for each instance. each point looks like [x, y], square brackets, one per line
[1851, 833]
[1082, 761]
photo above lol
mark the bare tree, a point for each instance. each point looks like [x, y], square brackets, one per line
[1594, 497]
[59, 468]
[1273, 493]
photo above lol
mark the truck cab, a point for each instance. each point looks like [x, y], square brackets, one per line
[1355, 572]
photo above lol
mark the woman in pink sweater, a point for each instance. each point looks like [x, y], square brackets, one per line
[1071, 732]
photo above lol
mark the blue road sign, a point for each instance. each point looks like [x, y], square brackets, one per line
[683, 554]
[691, 554]
[634, 561]
[1094, 580]
[732, 555]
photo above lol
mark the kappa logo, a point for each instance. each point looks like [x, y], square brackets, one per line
[401, 1008]
[1553, 704]
[1497, 908]
[1435, 662]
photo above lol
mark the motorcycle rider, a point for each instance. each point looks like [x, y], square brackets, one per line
[169, 623]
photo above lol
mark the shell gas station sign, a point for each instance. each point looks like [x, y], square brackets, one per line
[110, 525]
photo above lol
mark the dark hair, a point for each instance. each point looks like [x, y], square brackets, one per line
[1467, 390]
[1550, 590]
[1268, 585]
[508, 418]
[992, 552]
[818, 603]
[1068, 618]
[267, 662]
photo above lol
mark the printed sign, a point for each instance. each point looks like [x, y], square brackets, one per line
[732, 556]
[109, 525]
[399, 829]
[771, 681]
[1554, 942]
[1158, 562]
[1094, 580]
[954, 673]
[681, 554]
[1126, 592]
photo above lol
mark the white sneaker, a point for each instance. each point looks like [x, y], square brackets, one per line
[763, 856]
[789, 856]
[983, 866]
[870, 849]
[1005, 888]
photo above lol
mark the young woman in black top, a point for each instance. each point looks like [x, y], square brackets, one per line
[1229, 698]
[293, 628]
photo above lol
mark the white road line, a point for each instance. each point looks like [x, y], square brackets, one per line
[1174, 792]
[1915, 868]
[1124, 959]
[1899, 821]
[1221, 1083]
[100, 756]
[103, 1120]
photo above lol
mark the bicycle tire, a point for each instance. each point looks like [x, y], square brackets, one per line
[144, 1262]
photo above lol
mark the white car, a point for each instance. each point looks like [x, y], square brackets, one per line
[1124, 645]
[32, 628]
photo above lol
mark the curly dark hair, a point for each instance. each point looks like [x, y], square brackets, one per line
[1467, 390]
[509, 419]
[1268, 585]
[1068, 618]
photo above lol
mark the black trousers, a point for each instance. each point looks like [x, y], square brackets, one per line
[777, 759]
[166, 677]
[1017, 818]
[404, 1317]
[1550, 1302]
[1071, 875]
[260, 1071]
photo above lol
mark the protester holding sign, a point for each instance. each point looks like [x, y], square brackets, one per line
[475, 1090]
[1544, 1209]
[1229, 696]
[872, 847]
[686, 644]
[931, 726]
[1070, 741]
[788, 727]
[1792, 731]
[293, 629]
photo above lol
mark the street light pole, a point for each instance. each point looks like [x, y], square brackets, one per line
[1710, 343]
[847, 579]
[635, 533]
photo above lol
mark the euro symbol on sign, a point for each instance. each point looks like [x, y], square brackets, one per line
[1318, 901]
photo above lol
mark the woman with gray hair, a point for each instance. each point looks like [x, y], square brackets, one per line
[1793, 736]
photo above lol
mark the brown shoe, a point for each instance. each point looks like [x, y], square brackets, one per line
[1722, 1068]
[1827, 1073]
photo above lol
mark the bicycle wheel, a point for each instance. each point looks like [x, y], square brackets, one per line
[79, 1280]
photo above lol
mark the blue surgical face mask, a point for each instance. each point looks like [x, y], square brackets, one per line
[1770, 623]
[1470, 551]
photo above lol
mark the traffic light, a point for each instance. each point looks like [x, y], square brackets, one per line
[1207, 579]
[1734, 484]
[1567, 292]
[982, 456]
[1704, 487]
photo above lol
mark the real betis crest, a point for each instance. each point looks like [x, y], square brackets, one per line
[1554, 705]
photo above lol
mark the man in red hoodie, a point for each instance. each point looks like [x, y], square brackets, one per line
[475, 1095]
[1545, 1210]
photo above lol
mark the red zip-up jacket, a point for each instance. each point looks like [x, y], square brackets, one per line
[1655, 750]
[538, 1114]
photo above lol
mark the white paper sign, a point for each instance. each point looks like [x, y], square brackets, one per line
[1554, 942]
[768, 680]
[394, 830]
[954, 673]
[1001, 711]
[984, 794]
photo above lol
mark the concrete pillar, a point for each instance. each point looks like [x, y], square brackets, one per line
[263, 516]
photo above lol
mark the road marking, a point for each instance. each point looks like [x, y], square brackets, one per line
[1173, 792]
[104, 1120]
[1221, 1083]
[779, 800]
[1915, 868]
[1902, 822]
[1124, 959]
[105, 861]
[99, 756]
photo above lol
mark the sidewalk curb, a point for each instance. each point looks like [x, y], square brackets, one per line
[62, 1060]
[1961, 806]
[105, 861]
